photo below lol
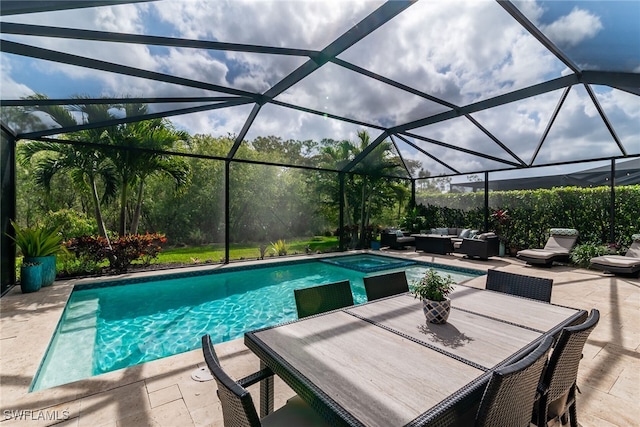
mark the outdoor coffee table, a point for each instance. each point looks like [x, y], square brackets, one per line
[381, 364]
[433, 243]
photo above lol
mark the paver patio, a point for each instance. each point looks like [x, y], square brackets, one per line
[162, 393]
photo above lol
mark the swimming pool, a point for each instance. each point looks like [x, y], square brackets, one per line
[111, 325]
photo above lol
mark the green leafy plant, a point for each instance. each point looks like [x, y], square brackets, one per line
[263, 250]
[581, 255]
[124, 250]
[37, 241]
[279, 247]
[433, 286]
[132, 247]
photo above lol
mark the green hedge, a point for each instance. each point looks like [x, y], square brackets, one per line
[533, 212]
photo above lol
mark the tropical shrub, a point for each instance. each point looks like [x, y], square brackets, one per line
[133, 247]
[71, 223]
[90, 251]
[37, 241]
[279, 247]
[581, 255]
[533, 212]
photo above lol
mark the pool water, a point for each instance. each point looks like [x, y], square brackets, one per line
[368, 263]
[112, 327]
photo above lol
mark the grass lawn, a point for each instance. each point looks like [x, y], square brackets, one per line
[204, 254]
[215, 253]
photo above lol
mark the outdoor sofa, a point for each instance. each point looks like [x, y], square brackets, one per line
[455, 233]
[557, 248]
[481, 246]
[627, 264]
[395, 239]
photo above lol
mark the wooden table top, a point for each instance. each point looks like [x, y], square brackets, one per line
[384, 365]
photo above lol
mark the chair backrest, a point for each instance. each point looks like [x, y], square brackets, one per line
[238, 409]
[634, 249]
[509, 397]
[520, 285]
[562, 370]
[385, 285]
[561, 240]
[318, 299]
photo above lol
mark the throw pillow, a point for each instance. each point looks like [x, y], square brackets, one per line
[465, 233]
[563, 232]
[399, 233]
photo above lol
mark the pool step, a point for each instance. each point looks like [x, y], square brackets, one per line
[66, 360]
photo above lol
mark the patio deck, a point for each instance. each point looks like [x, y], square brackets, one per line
[162, 393]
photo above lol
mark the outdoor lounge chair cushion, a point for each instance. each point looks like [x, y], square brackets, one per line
[629, 263]
[560, 242]
[616, 262]
[484, 236]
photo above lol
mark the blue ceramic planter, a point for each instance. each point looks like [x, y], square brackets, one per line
[30, 277]
[48, 268]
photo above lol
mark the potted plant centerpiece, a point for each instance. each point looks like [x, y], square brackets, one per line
[434, 289]
[39, 245]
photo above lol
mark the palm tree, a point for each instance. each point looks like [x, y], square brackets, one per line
[366, 187]
[157, 135]
[142, 156]
[88, 165]
[376, 164]
[129, 166]
[338, 156]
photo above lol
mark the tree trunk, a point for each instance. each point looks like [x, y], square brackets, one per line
[123, 205]
[136, 214]
[98, 212]
[362, 210]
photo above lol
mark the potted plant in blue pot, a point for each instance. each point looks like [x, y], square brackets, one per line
[30, 277]
[39, 245]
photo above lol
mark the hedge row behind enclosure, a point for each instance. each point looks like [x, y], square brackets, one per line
[532, 213]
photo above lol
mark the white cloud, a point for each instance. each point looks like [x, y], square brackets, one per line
[460, 51]
[441, 48]
[10, 88]
[298, 24]
[572, 29]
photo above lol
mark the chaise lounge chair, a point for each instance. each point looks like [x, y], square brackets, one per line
[627, 264]
[558, 247]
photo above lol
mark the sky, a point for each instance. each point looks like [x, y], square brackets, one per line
[459, 52]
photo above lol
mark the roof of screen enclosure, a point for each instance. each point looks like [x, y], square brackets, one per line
[460, 87]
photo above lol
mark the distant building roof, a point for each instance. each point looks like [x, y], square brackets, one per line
[627, 173]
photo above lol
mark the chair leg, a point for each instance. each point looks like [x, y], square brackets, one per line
[573, 414]
[266, 394]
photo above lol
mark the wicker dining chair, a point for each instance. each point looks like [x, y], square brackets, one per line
[238, 409]
[318, 299]
[558, 386]
[385, 285]
[509, 397]
[517, 284]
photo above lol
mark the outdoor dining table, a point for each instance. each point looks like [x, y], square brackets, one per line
[381, 364]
